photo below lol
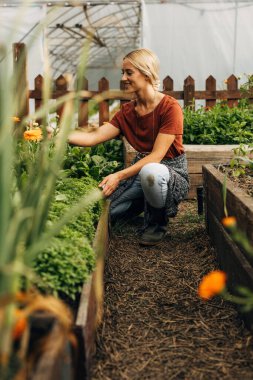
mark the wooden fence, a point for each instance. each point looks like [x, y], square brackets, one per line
[60, 87]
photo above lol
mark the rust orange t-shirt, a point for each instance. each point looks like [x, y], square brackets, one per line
[141, 131]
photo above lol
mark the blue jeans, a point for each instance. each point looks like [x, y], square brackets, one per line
[151, 183]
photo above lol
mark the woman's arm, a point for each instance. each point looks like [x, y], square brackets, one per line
[161, 146]
[101, 134]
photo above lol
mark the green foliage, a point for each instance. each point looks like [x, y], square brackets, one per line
[95, 162]
[242, 159]
[219, 125]
[66, 264]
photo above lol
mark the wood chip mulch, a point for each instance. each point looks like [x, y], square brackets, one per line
[155, 326]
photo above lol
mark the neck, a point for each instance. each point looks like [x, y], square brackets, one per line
[146, 99]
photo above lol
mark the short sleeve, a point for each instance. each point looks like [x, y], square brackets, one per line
[171, 121]
[116, 121]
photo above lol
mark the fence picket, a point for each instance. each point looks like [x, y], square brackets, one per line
[61, 85]
[232, 84]
[83, 107]
[189, 90]
[21, 83]
[103, 85]
[211, 86]
[168, 84]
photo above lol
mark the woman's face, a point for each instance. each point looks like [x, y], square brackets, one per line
[133, 79]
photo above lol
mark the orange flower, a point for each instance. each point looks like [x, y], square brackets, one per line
[20, 324]
[15, 119]
[33, 134]
[229, 222]
[212, 284]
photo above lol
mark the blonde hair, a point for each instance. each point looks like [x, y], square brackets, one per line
[147, 63]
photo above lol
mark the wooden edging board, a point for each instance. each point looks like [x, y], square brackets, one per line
[90, 310]
[197, 156]
[231, 257]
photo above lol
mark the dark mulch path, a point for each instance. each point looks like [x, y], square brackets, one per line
[155, 326]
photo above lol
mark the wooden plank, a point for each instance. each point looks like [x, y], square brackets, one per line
[38, 85]
[232, 84]
[83, 107]
[90, 309]
[211, 86]
[239, 203]
[168, 84]
[61, 85]
[189, 90]
[21, 89]
[232, 261]
[103, 85]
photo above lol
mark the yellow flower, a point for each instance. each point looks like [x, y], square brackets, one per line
[212, 284]
[33, 134]
[229, 222]
[15, 119]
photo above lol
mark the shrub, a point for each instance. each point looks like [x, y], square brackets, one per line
[219, 125]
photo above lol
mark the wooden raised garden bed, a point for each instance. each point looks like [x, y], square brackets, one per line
[90, 309]
[231, 257]
[68, 363]
[197, 156]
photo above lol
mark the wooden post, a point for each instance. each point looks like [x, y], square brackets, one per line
[61, 85]
[21, 89]
[83, 107]
[232, 84]
[211, 86]
[168, 84]
[38, 87]
[189, 92]
[103, 85]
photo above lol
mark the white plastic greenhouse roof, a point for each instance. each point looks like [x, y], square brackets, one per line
[112, 28]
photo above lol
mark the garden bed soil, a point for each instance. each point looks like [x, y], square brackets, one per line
[244, 182]
[155, 326]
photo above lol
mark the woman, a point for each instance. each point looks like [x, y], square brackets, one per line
[153, 124]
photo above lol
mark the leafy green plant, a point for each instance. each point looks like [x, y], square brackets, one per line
[96, 162]
[242, 159]
[219, 125]
[63, 267]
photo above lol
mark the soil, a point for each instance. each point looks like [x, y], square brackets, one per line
[245, 181]
[155, 326]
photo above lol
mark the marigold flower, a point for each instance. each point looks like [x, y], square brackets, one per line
[20, 324]
[212, 284]
[15, 119]
[33, 134]
[229, 222]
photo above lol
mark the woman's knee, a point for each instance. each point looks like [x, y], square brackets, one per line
[154, 181]
[154, 172]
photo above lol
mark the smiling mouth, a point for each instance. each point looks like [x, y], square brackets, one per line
[126, 84]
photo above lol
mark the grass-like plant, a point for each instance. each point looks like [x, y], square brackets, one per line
[25, 200]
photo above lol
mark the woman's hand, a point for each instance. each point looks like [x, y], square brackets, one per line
[110, 184]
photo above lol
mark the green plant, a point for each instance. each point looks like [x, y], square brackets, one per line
[241, 159]
[96, 162]
[63, 267]
[27, 185]
[219, 125]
